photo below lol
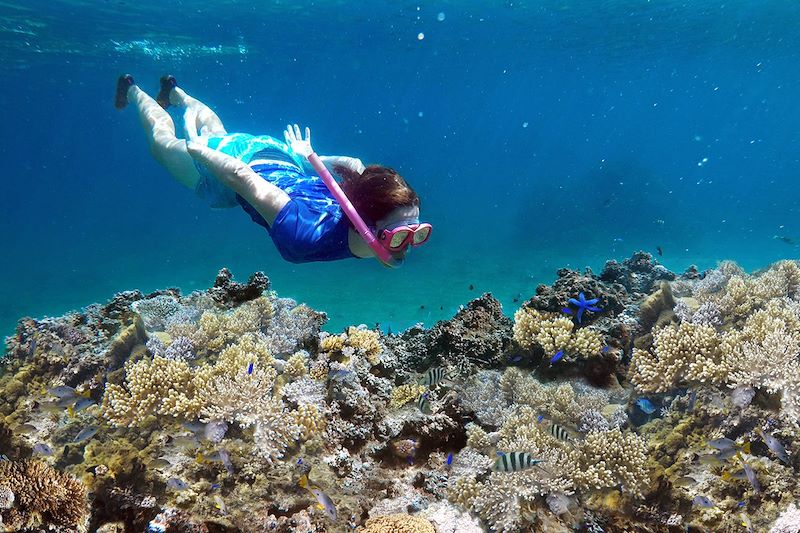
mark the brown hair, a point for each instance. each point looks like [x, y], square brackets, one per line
[376, 191]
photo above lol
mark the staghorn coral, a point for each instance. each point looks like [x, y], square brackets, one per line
[180, 349]
[552, 333]
[214, 330]
[560, 402]
[292, 327]
[161, 311]
[331, 343]
[737, 295]
[239, 396]
[761, 353]
[304, 390]
[44, 497]
[505, 500]
[686, 353]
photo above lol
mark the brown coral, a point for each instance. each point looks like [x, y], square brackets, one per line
[397, 523]
[43, 496]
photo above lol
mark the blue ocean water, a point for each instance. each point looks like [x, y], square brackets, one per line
[538, 134]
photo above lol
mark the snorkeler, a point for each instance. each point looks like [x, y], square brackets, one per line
[284, 187]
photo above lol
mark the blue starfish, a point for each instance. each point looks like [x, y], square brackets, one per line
[583, 305]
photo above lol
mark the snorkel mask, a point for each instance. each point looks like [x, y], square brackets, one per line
[392, 239]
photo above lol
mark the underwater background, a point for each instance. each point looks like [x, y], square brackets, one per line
[602, 334]
[539, 135]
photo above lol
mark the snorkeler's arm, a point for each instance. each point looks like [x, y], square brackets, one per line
[352, 163]
[265, 197]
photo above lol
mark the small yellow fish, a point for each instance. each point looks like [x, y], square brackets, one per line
[220, 504]
[324, 502]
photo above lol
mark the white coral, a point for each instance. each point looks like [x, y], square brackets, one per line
[773, 365]
[788, 521]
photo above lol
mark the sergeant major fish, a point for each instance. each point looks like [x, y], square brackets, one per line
[560, 433]
[434, 376]
[424, 403]
[515, 461]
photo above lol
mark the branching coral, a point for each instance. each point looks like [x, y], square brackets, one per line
[169, 387]
[405, 393]
[764, 352]
[603, 459]
[296, 364]
[155, 386]
[310, 420]
[609, 459]
[772, 364]
[366, 343]
[355, 341]
[482, 395]
[743, 294]
[553, 333]
[504, 500]
[686, 353]
[397, 523]
[43, 497]
[560, 402]
[237, 388]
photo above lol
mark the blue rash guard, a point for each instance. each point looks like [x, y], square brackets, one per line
[311, 226]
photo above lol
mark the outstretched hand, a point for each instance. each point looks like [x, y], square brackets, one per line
[296, 142]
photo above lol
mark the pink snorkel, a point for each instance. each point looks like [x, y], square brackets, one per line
[382, 253]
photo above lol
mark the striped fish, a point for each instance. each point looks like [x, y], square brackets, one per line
[424, 404]
[434, 376]
[560, 433]
[514, 462]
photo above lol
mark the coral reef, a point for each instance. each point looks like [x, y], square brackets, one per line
[675, 407]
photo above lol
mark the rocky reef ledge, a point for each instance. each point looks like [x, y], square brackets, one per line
[633, 400]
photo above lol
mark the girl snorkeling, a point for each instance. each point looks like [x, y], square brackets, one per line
[284, 186]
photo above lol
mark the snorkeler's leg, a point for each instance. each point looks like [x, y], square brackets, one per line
[198, 118]
[165, 147]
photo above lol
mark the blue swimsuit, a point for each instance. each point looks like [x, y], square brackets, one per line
[311, 226]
